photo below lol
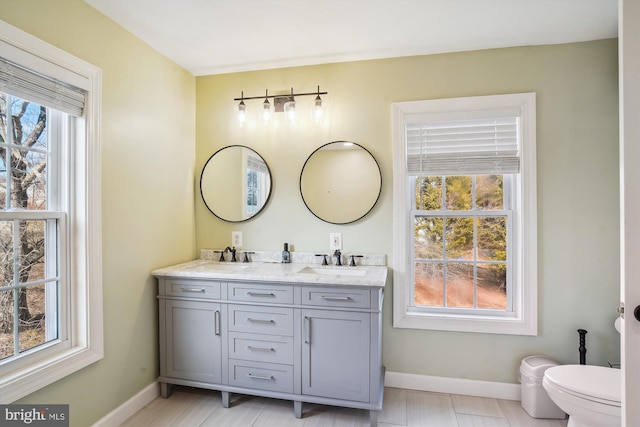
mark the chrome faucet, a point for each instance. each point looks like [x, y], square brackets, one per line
[338, 256]
[233, 252]
[352, 262]
[324, 258]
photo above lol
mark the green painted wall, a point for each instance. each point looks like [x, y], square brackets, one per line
[577, 152]
[161, 124]
[148, 154]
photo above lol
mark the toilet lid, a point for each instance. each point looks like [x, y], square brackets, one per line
[591, 382]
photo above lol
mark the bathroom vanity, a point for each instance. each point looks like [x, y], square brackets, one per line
[300, 332]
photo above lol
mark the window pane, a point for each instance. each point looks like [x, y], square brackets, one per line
[29, 122]
[33, 321]
[3, 184]
[28, 180]
[6, 324]
[458, 189]
[428, 238]
[492, 238]
[429, 193]
[6, 253]
[489, 192]
[32, 250]
[492, 286]
[460, 285]
[429, 284]
[23, 168]
[459, 238]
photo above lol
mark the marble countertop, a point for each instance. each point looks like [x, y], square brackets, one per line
[369, 275]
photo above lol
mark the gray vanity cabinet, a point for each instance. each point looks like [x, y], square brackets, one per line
[306, 343]
[336, 354]
[194, 341]
[190, 332]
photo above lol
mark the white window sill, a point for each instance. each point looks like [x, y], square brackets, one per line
[31, 378]
[459, 323]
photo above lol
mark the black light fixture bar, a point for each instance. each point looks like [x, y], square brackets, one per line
[284, 95]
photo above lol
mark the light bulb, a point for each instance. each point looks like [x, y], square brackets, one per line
[266, 110]
[318, 109]
[242, 112]
[290, 110]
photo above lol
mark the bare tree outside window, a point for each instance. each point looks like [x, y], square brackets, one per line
[23, 188]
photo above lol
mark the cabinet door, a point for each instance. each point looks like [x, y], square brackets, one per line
[336, 354]
[194, 343]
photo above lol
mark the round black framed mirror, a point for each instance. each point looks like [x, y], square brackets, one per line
[340, 182]
[235, 183]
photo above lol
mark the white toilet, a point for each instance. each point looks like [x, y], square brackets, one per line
[589, 394]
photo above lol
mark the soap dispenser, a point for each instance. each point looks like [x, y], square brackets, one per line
[286, 255]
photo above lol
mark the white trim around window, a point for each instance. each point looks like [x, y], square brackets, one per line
[522, 319]
[84, 265]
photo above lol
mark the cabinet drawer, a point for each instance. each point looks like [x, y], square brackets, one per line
[261, 348]
[262, 376]
[336, 297]
[193, 289]
[261, 320]
[252, 292]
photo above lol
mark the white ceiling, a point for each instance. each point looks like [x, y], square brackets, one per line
[223, 36]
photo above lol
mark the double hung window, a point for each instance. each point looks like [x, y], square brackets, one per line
[464, 207]
[50, 256]
[32, 227]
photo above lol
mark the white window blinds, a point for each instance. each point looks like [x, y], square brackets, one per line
[474, 146]
[256, 164]
[44, 90]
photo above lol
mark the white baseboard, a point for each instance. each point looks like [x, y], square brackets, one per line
[466, 387]
[495, 390]
[125, 411]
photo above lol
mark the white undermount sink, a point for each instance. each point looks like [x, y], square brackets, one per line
[333, 271]
[221, 267]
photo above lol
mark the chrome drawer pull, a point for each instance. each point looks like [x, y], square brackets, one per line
[336, 298]
[249, 319]
[307, 330]
[261, 294]
[260, 377]
[216, 322]
[192, 289]
[260, 348]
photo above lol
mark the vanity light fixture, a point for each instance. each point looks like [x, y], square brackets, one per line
[290, 108]
[318, 108]
[266, 108]
[242, 110]
[281, 103]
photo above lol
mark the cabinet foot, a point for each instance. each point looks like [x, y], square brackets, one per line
[373, 417]
[226, 399]
[297, 408]
[165, 390]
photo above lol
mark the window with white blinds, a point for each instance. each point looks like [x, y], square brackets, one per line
[464, 197]
[47, 91]
[49, 204]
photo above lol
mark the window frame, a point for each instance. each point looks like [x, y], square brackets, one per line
[523, 319]
[82, 266]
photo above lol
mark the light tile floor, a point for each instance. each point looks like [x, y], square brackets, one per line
[191, 407]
